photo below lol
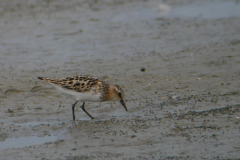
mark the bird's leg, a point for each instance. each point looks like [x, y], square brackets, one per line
[73, 110]
[82, 106]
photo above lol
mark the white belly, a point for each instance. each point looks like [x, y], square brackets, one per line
[82, 96]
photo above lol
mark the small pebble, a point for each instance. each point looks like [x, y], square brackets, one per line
[142, 69]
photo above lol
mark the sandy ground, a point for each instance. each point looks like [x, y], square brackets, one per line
[184, 104]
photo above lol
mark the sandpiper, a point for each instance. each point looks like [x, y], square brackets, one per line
[87, 88]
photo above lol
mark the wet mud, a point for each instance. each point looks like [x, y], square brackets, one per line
[180, 75]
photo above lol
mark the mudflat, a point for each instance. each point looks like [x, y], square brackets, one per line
[178, 63]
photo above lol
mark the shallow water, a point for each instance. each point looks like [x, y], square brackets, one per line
[197, 9]
[207, 10]
[26, 141]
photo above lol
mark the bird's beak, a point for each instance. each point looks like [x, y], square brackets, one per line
[123, 103]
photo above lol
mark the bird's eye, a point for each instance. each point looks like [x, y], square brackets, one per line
[119, 94]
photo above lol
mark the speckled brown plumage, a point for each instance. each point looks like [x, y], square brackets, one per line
[81, 83]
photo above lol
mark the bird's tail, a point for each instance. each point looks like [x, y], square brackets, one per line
[43, 79]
